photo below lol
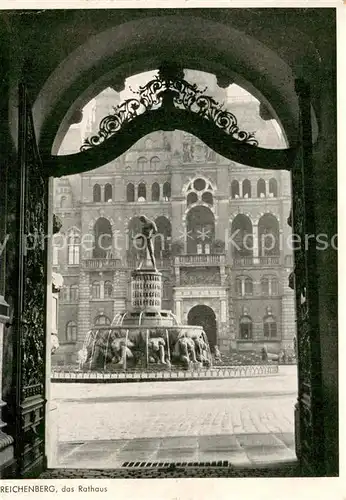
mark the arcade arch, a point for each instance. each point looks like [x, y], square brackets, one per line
[204, 316]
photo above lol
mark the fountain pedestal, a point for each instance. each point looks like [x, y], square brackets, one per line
[146, 290]
[146, 337]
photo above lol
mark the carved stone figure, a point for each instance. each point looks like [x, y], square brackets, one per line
[185, 351]
[121, 350]
[156, 348]
[149, 228]
[202, 353]
[217, 353]
[101, 350]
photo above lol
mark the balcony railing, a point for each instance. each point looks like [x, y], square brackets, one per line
[269, 261]
[160, 263]
[200, 260]
[121, 264]
[102, 263]
[243, 261]
[256, 261]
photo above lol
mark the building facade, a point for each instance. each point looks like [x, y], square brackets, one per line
[222, 243]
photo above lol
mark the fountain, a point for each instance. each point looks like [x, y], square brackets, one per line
[145, 337]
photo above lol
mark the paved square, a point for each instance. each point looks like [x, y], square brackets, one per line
[244, 421]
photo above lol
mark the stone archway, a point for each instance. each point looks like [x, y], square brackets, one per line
[203, 315]
[310, 419]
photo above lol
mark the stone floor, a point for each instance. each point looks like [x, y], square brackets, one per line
[248, 422]
[238, 449]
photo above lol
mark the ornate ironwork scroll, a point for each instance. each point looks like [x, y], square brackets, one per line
[30, 305]
[309, 406]
[169, 90]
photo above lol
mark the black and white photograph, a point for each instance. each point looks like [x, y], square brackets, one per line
[168, 245]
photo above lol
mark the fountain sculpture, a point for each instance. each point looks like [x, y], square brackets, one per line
[145, 337]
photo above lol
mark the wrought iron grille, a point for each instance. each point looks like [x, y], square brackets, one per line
[169, 90]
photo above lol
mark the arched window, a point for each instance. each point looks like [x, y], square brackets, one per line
[238, 287]
[273, 188]
[142, 164]
[155, 192]
[200, 224]
[199, 184]
[261, 189]
[102, 320]
[270, 327]
[108, 192]
[64, 294]
[275, 286]
[103, 238]
[246, 188]
[191, 198]
[167, 191]
[74, 293]
[71, 331]
[63, 202]
[142, 192]
[108, 289]
[207, 197]
[265, 286]
[241, 231]
[154, 163]
[130, 193]
[235, 189]
[268, 236]
[96, 290]
[97, 193]
[136, 247]
[245, 328]
[248, 286]
[73, 244]
[162, 239]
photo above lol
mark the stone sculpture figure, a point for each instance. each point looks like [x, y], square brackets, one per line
[121, 350]
[149, 228]
[201, 349]
[156, 349]
[185, 351]
[217, 353]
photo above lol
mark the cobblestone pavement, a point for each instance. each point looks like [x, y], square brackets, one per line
[241, 420]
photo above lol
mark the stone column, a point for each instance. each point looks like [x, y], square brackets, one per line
[243, 287]
[223, 312]
[267, 188]
[255, 244]
[177, 304]
[84, 320]
[240, 189]
[102, 289]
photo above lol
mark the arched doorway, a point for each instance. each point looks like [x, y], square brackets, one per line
[103, 239]
[204, 316]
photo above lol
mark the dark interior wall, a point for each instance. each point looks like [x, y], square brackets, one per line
[325, 164]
